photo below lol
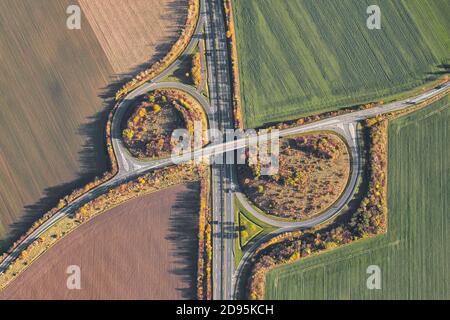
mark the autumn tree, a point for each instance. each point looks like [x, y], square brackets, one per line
[196, 71]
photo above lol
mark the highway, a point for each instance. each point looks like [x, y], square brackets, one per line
[216, 168]
[220, 116]
[222, 202]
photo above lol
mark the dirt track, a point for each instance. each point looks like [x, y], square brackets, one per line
[143, 249]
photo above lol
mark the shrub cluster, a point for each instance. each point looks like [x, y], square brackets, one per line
[232, 47]
[312, 173]
[196, 69]
[148, 132]
[204, 278]
[149, 128]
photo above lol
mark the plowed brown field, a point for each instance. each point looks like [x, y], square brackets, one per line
[134, 32]
[143, 249]
[52, 80]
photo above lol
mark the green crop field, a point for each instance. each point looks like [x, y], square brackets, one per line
[414, 256]
[301, 57]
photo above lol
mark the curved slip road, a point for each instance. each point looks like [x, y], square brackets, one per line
[130, 168]
[349, 134]
[126, 162]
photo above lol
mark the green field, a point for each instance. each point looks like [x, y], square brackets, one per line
[301, 57]
[414, 256]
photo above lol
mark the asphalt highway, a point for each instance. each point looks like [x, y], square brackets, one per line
[220, 116]
[222, 202]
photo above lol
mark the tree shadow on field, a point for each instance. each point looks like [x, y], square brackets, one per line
[441, 69]
[183, 234]
[175, 10]
[93, 157]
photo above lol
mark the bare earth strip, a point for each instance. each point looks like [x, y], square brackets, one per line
[135, 32]
[143, 249]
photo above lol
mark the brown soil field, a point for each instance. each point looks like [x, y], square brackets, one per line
[51, 119]
[313, 172]
[135, 32]
[143, 249]
[54, 97]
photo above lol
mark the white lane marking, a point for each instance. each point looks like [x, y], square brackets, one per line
[351, 127]
[124, 161]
